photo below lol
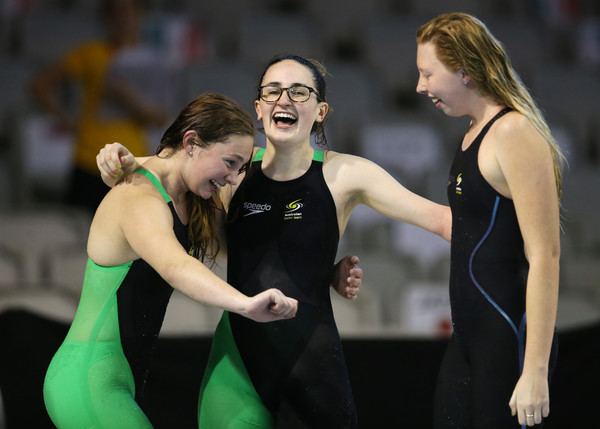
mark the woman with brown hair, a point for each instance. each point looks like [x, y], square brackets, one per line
[145, 239]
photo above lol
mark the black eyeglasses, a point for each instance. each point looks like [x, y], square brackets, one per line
[296, 93]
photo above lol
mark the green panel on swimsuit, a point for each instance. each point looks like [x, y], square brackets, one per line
[228, 399]
[89, 382]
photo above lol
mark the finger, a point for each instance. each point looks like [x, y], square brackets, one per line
[356, 272]
[104, 168]
[115, 160]
[546, 409]
[350, 293]
[127, 159]
[108, 164]
[355, 260]
[352, 289]
[275, 301]
[529, 417]
[512, 405]
[537, 416]
[353, 282]
[280, 304]
[290, 308]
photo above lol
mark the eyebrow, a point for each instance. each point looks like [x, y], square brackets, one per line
[293, 84]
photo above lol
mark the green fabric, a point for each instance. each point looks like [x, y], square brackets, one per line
[155, 182]
[318, 155]
[258, 156]
[228, 399]
[89, 383]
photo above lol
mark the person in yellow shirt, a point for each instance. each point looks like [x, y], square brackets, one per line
[89, 67]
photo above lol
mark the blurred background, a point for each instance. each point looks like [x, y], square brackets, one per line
[173, 50]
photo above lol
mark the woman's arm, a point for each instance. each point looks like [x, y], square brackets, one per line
[525, 163]
[115, 162]
[134, 222]
[360, 181]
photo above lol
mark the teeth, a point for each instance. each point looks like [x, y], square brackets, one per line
[284, 115]
[215, 183]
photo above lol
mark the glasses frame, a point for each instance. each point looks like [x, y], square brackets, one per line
[287, 89]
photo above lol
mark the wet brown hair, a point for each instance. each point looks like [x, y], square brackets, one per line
[214, 118]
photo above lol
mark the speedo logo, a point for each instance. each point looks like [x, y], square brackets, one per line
[256, 208]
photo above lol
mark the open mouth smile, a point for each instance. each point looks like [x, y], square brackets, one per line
[285, 119]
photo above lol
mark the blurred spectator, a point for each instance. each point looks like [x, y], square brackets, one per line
[115, 102]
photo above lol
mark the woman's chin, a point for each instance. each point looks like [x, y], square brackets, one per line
[206, 194]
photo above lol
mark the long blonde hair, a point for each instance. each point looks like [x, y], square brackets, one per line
[463, 42]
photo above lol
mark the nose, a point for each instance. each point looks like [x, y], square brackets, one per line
[421, 88]
[284, 98]
[232, 178]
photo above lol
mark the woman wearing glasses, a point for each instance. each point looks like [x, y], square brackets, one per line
[284, 223]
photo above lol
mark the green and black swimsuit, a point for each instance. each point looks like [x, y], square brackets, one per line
[286, 374]
[98, 374]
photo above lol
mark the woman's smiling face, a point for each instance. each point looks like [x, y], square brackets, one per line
[217, 164]
[285, 120]
[444, 87]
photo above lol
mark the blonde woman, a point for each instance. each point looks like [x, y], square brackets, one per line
[504, 193]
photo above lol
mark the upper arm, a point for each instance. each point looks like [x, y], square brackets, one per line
[367, 183]
[131, 222]
[526, 165]
[147, 226]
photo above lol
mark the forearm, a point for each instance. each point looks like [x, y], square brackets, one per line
[433, 217]
[195, 280]
[541, 308]
[442, 221]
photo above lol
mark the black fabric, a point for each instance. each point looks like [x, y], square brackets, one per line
[488, 276]
[285, 235]
[142, 299]
[499, 264]
[393, 380]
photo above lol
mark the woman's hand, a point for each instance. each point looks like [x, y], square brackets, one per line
[347, 277]
[530, 401]
[115, 162]
[270, 305]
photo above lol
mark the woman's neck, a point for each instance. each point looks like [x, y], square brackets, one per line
[484, 110]
[286, 163]
[165, 168]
